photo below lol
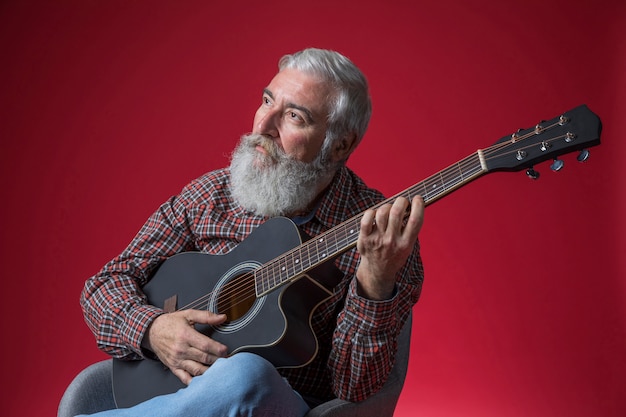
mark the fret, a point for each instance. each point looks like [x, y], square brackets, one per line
[260, 281]
[265, 278]
[273, 274]
[350, 233]
[321, 248]
[443, 181]
[335, 243]
[425, 193]
[282, 270]
[306, 257]
[433, 188]
[297, 261]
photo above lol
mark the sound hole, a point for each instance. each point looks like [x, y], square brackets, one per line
[236, 297]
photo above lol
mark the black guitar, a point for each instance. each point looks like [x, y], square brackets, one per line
[270, 277]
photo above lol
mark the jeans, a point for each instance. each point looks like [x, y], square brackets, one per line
[242, 385]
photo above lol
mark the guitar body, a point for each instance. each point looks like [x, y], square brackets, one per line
[275, 326]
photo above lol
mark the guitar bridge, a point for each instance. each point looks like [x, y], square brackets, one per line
[170, 304]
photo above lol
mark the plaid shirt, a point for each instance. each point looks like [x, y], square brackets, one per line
[357, 337]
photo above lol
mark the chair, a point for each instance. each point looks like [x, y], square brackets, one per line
[91, 391]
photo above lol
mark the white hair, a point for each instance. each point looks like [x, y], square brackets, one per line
[352, 107]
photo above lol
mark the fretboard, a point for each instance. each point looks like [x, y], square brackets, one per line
[344, 236]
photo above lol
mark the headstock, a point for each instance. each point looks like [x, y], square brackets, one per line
[575, 130]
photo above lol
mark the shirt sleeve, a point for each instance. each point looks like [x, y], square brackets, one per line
[114, 307]
[365, 339]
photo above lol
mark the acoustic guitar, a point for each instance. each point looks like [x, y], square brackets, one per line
[274, 275]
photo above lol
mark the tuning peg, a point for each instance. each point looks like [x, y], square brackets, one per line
[556, 165]
[532, 174]
[583, 155]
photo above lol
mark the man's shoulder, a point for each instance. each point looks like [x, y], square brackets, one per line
[211, 186]
[357, 186]
[217, 179]
[349, 195]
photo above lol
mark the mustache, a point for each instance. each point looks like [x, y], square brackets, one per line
[252, 140]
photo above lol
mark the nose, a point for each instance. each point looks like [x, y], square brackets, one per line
[266, 122]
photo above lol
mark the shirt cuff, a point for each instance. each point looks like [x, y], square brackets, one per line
[371, 315]
[137, 322]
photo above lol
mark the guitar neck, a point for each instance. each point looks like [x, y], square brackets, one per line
[447, 180]
[344, 236]
[572, 131]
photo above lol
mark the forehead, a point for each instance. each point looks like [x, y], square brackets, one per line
[291, 86]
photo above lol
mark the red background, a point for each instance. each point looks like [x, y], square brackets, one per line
[109, 107]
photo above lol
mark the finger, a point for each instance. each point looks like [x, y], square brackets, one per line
[204, 317]
[416, 218]
[184, 376]
[367, 222]
[205, 350]
[397, 214]
[194, 368]
[382, 217]
[195, 357]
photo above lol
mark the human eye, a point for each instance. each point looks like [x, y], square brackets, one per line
[295, 117]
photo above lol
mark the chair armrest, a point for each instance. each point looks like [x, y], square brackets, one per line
[382, 403]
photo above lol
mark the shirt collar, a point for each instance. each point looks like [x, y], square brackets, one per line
[335, 199]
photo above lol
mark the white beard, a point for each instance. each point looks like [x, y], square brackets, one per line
[275, 184]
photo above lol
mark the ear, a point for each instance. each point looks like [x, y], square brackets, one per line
[344, 147]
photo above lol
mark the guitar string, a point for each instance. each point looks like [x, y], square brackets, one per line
[273, 268]
[243, 288]
[248, 279]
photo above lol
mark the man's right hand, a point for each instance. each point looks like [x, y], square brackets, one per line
[183, 349]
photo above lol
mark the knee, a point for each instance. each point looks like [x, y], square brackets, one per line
[248, 367]
[257, 379]
[246, 384]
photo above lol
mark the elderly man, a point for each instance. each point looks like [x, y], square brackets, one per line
[312, 116]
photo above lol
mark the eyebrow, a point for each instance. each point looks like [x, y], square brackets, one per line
[305, 110]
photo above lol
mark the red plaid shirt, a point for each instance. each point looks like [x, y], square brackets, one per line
[357, 337]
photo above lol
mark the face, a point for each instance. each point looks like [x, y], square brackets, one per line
[278, 169]
[293, 114]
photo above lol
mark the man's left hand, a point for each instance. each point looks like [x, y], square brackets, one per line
[385, 243]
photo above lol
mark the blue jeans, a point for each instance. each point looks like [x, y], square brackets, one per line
[242, 385]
